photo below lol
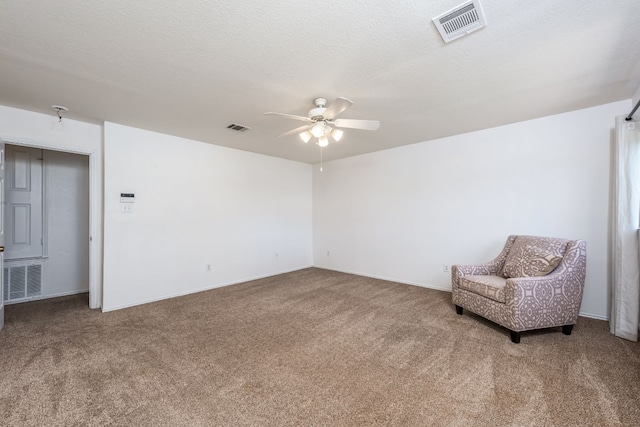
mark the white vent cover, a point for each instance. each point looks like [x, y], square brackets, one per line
[460, 21]
[22, 282]
[237, 127]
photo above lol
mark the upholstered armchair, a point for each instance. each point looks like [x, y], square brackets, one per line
[535, 283]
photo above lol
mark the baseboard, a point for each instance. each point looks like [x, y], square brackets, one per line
[195, 291]
[389, 279]
[593, 316]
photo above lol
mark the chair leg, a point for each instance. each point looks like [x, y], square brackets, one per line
[515, 337]
[566, 329]
[458, 309]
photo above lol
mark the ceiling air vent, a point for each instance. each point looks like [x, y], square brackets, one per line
[239, 128]
[460, 21]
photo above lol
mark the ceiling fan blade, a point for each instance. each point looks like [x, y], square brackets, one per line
[337, 107]
[357, 124]
[296, 130]
[290, 116]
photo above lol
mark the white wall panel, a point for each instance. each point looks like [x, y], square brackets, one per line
[198, 204]
[403, 213]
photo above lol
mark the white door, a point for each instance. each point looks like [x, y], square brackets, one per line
[1, 234]
[23, 203]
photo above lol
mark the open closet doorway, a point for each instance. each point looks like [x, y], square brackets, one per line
[47, 224]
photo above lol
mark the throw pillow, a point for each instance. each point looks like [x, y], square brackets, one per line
[530, 258]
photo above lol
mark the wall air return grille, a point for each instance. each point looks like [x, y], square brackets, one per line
[22, 282]
[460, 21]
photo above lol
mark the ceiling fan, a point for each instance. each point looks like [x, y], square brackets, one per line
[322, 121]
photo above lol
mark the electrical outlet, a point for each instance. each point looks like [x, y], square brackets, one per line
[277, 255]
[445, 268]
[208, 267]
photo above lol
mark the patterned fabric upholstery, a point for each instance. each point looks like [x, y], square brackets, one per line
[529, 302]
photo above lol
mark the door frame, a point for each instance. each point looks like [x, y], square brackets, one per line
[95, 225]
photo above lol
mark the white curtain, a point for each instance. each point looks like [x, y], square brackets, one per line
[625, 295]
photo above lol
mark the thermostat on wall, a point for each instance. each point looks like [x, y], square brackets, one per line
[127, 197]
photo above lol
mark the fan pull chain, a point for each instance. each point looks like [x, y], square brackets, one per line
[320, 159]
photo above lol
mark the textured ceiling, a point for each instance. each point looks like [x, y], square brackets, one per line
[190, 68]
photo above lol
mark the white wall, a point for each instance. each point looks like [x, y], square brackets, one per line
[398, 214]
[22, 127]
[247, 215]
[403, 213]
[66, 271]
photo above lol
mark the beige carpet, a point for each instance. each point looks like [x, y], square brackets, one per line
[312, 347]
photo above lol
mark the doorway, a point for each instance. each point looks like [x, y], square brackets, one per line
[47, 219]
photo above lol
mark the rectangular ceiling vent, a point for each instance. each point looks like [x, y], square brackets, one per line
[460, 21]
[237, 127]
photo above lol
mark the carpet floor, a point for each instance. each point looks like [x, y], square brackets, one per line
[311, 347]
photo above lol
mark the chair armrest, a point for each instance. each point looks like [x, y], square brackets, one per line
[491, 268]
[540, 302]
[554, 298]
[457, 271]
[517, 289]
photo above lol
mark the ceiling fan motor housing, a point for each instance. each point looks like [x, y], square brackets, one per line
[321, 107]
[316, 113]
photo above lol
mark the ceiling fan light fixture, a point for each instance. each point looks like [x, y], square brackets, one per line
[318, 129]
[305, 136]
[320, 121]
